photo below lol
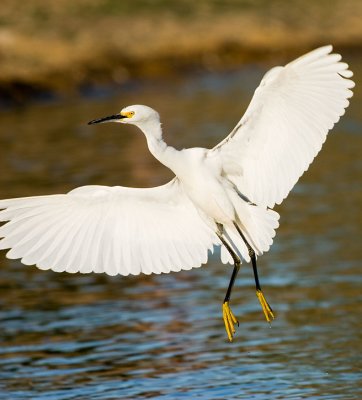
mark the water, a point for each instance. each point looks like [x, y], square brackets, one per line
[97, 337]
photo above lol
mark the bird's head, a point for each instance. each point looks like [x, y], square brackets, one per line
[136, 115]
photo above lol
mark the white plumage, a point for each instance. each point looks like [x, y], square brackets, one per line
[218, 196]
[285, 125]
[115, 230]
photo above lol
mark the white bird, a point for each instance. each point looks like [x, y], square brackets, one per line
[221, 196]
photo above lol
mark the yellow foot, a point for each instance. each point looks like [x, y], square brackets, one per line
[268, 312]
[229, 320]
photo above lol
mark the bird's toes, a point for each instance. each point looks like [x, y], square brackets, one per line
[229, 320]
[268, 312]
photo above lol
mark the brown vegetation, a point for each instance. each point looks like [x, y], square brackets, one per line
[58, 46]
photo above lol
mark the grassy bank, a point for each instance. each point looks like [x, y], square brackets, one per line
[60, 46]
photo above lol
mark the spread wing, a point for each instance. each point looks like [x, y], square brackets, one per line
[115, 230]
[285, 125]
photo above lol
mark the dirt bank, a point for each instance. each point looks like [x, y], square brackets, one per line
[61, 46]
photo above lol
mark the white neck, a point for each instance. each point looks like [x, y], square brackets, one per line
[158, 148]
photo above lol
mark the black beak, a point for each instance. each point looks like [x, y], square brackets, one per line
[106, 119]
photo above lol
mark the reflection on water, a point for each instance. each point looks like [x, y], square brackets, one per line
[97, 337]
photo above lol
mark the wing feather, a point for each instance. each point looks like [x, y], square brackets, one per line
[285, 125]
[114, 230]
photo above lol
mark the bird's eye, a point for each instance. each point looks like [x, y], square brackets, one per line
[127, 114]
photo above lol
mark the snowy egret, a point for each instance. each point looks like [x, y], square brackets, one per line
[220, 196]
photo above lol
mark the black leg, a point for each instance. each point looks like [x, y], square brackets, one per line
[237, 263]
[268, 312]
[252, 257]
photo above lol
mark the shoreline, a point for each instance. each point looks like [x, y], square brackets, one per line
[64, 53]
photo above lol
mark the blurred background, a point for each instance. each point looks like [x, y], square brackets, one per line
[62, 46]
[197, 62]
